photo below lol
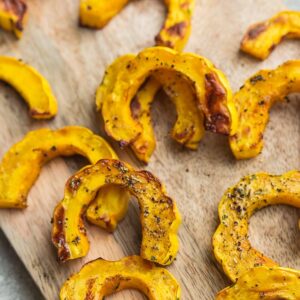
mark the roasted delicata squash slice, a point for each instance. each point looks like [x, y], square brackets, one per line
[13, 16]
[158, 213]
[262, 38]
[22, 164]
[253, 103]
[31, 85]
[212, 90]
[188, 129]
[231, 245]
[97, 13]
[101, 278]
[177, 27]
[264, 283]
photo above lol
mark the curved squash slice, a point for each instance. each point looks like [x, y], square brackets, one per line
[262, 38]
[13, 16]
[188, 129]
[231, 245]
[211, 86]
[253, 103]
[264, 283]
[97, 13]
[35, 89]
[22, 164]
[101, 278]
[158, 213]
[177, 27]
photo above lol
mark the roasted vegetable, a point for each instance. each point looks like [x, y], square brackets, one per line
[13, 16]
[211, 87]
[188, 129]
[158, 213]
[264, 283]
[253, 103]
[31, 85]
[101, 278]
[97, 13]
[231, 245]
[177, 27]
[22, 164]
[261, 38]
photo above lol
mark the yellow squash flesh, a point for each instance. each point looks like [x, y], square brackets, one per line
[97, 13]
[253, 103]
[31, 85]
[13, 16]
[177, 27]
[262, 38]
[231, 245]
[212, 90]
[188, 129]
[264, 283]
[158, 213]
[22, 164]
[101, 278]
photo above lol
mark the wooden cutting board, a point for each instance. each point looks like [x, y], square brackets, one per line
[73, 59]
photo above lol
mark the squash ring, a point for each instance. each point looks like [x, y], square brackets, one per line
[261, 38]
[212, 90]
[13, 16]
[101, 278]
[264, 283]
[158, 213]
[31, 85]
[22, 164]
[231, 245]
[253, 102]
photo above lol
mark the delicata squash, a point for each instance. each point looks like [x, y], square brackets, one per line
[101, 278]
[261, 38]
[158, 213]
[231, 245]
[31, 85]
[22, 164]
[211, 88]
[13, 15]
[264, 283]
[253, 102]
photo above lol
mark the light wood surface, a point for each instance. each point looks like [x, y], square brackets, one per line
[73, 59]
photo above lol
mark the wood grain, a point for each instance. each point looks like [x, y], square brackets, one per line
[73, 59]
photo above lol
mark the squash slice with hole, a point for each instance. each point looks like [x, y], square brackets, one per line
[101, 278]
[31, 85]
[188, 129]
[264, 283]
[22, 164]
[231, 243]
[13, 16]
[261, 38]
[211, 87]
[253, 103]
[97, 13]
[158, 213]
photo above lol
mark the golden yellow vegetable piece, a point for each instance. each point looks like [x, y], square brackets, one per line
[97, 13]
[231, 245]
[177, 27]
[261, 38]
[13, 16]
[264, 283]
[22, 164]
[253, 103]
[31, 85]
[212, 91]
[158, 213]
[101, 278]
[188, 129]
